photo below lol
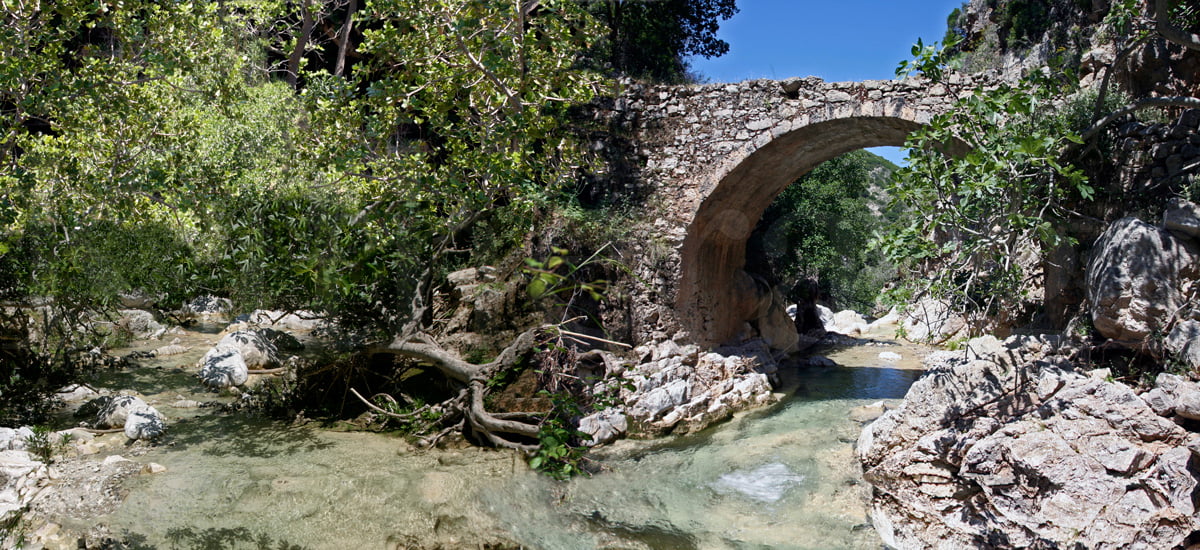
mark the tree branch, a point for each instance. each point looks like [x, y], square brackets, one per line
[1178, 101]
[1162, 24]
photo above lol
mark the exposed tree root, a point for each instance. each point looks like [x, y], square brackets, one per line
[509, 430]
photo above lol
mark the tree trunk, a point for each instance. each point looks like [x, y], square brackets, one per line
[344, 38]
[307, 22]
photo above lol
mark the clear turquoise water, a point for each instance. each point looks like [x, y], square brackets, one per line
[780, 478]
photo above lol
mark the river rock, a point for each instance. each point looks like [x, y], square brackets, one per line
[206, 307]
[75, 393]
[223, 367]
[302, 321]
[111, 411]
[256, 346]
[776, 327]
[14, 439]
[681, 389]
[138, 299]
[848, 322]
[1137, 277]
[144, 423]
[981, 454]
[604, 426]
[140, 324]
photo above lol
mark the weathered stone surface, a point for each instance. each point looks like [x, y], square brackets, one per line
[604, 426]
[140, 324]
[850, 323]
[299, 321]
[138, 299]
[1137, 278]
[1184, 343]
[14, 438]
[256, 346]
[207, 306]
[144, 423]
[111, 411]
[222, 368]
[678, 389]
[932, 321]
[1182, 218]
[986, 455]
[776, 327]
[21, 477]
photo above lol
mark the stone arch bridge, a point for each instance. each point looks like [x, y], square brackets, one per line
[712, 158]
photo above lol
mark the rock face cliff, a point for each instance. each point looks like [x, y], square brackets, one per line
[1014, 36]
[1008, 445]
[1015, 444]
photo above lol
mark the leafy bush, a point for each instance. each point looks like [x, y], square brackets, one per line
[976, 213]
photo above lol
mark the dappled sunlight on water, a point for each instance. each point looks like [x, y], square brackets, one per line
[785, 477]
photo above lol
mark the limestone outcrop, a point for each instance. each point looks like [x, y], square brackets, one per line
[1017, 449]
[679, 389]
[1138, 279]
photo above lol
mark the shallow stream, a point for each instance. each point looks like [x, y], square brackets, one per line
[785, 477]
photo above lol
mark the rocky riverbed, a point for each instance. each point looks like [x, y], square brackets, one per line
[782, 476]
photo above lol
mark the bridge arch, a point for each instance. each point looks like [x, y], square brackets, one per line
[712, 158]
[713, 298]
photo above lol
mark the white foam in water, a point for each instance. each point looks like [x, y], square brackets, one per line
[765, 484]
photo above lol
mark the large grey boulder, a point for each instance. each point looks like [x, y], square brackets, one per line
[776, 327]
[933, 321]
[848, 322]
[138, 419]
[301, 321]
[1136, 277]
[223, 367]
[111, 411]
[144, 423]
[257, 347]
[604, 426]
[1033, 455]
[140, 324]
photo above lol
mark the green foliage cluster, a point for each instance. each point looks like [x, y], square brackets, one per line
[651, 40]
[190, 148]
[987, 185]
[44, 445]
[1023, 21]
[818, 228]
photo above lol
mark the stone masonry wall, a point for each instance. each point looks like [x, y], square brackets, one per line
[707, 160]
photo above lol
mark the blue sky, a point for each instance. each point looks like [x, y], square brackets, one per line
[836, 40]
